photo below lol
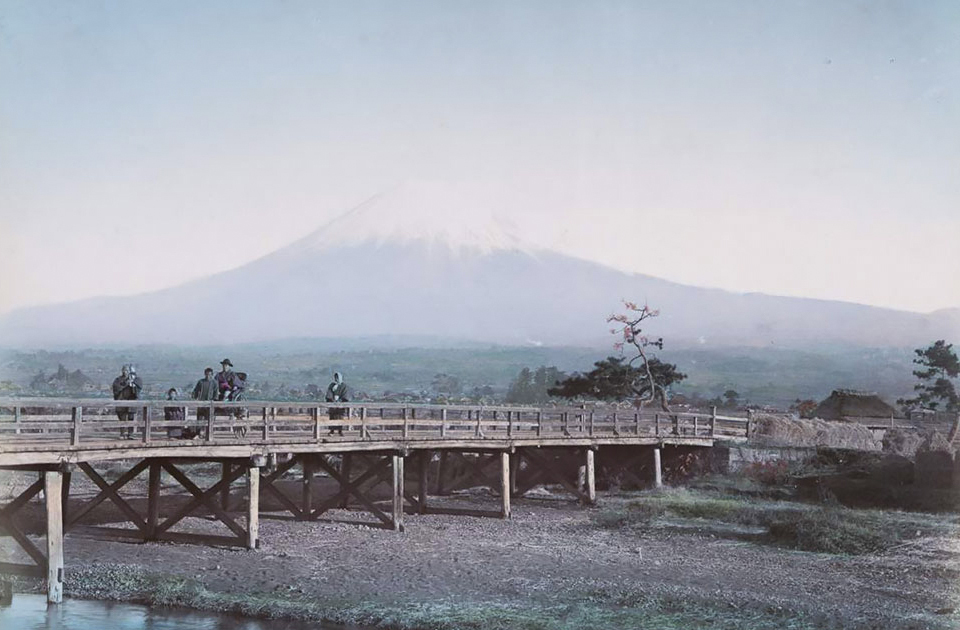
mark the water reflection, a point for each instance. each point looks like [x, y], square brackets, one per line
[30, 612]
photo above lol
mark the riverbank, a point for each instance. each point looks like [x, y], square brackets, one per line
[553, 565]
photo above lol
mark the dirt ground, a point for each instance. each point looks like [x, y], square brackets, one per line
[549, 559]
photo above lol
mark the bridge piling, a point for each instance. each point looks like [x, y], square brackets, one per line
[505, 489]
[657, 472]
[253, 506]
[52, 491]
[591, 477]
[397, 493]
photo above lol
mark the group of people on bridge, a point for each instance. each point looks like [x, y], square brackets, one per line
[226, 385]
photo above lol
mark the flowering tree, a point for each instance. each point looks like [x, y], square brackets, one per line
[641, 377]
[629, 327]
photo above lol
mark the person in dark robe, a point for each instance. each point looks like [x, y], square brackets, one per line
[127, 386]
[337, 392]
[174, 414]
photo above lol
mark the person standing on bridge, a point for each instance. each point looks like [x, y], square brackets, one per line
[230, 386]
[207, 389]
[127, 386]
[337, 392]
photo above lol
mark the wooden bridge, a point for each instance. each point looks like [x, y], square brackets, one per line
[262, 441]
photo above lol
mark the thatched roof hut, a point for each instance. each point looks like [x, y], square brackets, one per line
[847, 403]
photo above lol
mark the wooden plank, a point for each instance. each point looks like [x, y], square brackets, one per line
[253, 507]
[423, 480]
[398, 493]
[345, 464]
[306, 494]
[225, 469]
[145, 437]
[77, 424]
[52, 489]
[153, 500]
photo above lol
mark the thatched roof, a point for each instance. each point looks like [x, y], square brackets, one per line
[848, 403]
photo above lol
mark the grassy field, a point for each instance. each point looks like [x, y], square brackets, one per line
[804, 527]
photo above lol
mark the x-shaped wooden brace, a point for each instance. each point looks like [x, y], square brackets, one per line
[203, 497]
[110, 491]
[267, 483]
[626, 467]
[475, 469]
[354, 488]
[384, 475]
[547, 467]
[7, 525]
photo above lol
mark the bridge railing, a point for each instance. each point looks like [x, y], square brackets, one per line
[28, 423]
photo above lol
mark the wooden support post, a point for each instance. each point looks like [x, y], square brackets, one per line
[406, 424]
[210, 421]
[153, 500]
[306, 504]
[479, 420]
[146, 425]
[16, 419]
[636, 420]
[514, 466]
[253, 507]
[539, 423]
[443, 422]
[316, 424]
[423, 479]
[591, 424]
[398, 493]
[77, 424]
[364, 434]
[696, 426]
[616, 423]
[52, 490]
[345, 465]
[656, 425]
[676, 425]
[225, 469]
[505, 489]
[713, 421]
[67, 475]
[657, 472]
[591, 477]
[441, 469]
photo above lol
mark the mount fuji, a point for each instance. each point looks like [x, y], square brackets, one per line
[422, 261]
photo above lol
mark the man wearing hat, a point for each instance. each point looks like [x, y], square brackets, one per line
[228, 383]
[230, 386]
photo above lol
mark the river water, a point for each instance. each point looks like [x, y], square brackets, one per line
[30, 612]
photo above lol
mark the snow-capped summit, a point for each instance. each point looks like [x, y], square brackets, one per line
[431, 213]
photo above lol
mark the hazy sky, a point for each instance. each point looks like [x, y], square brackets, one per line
[797, 148]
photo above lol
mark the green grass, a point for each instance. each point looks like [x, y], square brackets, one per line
[805, 527]
[602, 608]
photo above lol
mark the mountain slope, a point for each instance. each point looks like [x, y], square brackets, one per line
[419, 261]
